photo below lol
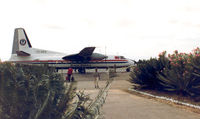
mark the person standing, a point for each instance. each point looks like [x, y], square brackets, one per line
[97, 77]
[69, 74]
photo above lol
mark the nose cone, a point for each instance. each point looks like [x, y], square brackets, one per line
[131, 62]
[104, 56]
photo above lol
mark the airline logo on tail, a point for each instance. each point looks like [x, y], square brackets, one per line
[22, 42]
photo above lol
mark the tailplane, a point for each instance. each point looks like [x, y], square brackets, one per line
[21, 43]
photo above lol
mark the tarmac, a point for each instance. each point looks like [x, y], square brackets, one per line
[123, 105]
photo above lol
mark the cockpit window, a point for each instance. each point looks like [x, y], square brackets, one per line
[119, 57]
[122, 57]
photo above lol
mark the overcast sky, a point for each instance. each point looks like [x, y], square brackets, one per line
[136, 29]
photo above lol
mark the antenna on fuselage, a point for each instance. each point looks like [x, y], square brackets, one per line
[106, 57]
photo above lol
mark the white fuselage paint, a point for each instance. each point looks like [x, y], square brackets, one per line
[23, 52]
[55, 60]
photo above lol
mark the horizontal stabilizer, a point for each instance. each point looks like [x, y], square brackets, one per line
[22, 53]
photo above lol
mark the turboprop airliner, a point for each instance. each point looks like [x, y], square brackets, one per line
[22, 52]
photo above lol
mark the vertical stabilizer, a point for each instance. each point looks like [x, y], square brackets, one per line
[21, 41]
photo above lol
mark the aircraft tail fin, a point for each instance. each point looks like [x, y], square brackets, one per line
[20, 42]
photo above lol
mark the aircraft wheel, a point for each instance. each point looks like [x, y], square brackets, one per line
[128, 70]
[81, 70]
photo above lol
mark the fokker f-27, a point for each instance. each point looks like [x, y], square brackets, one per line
[22, 52]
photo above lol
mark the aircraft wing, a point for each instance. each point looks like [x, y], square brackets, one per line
[83, 55]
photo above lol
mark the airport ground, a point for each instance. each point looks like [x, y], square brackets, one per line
[121, 104]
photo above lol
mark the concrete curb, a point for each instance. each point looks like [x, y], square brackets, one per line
[165, 98]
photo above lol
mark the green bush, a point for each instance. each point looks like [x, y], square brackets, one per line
[145, 73]
[177, 72]
[182, 76]
[38, 92]
[32, 92]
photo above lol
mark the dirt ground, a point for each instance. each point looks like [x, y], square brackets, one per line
[121, 104]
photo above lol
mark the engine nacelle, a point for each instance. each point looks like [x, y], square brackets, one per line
[98, 56]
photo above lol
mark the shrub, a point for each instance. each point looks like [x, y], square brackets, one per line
[180, 76]
[144, 73]
[181, 83]
[32, 92]
[177, 72]
[38, 92]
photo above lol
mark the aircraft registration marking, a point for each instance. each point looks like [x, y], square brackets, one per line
[41, 51]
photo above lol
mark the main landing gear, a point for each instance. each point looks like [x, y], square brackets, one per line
[82, 70]
[128, 69]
